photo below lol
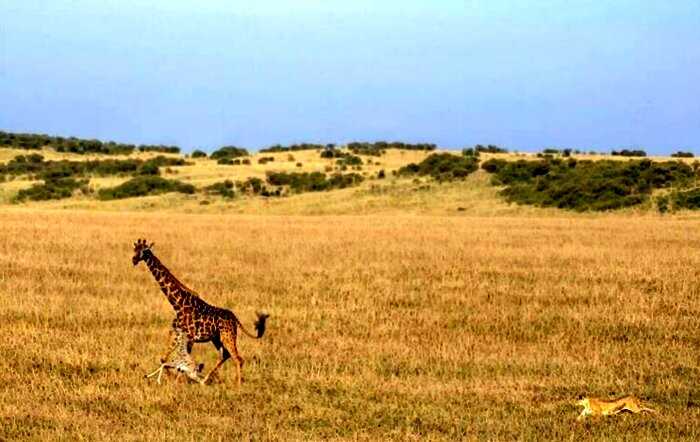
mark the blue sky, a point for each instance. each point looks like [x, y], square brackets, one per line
[590, 74]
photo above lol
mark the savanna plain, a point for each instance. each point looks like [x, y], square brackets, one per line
[382, 327]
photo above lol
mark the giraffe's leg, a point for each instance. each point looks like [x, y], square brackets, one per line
[228, 338]
[175, 337]
[223, 356]
[178, 341]
[159, 371]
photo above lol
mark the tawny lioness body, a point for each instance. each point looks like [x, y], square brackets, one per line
[600, 407]
[195, 321]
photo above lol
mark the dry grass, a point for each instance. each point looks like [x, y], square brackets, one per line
[382, 327]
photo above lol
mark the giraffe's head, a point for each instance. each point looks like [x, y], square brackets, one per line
[141, 251]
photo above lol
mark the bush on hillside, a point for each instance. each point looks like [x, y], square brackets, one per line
[329, 153]
[296, 147]
[679, 200]
[50, 190]
[145, 185]
[629, 153]
[585, 185]
[229, 152]
[223, 188]
[349, 160]
[470, 152]
[442, 166]
[158, 148]
[491, 148]
[76, 145]
[379, 147]
[300, 182]
[198, 154]
[681, 154]
[35, 165]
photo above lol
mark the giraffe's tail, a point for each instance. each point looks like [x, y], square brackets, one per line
[260, 324]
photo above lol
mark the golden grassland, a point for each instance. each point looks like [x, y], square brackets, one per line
[383, 327]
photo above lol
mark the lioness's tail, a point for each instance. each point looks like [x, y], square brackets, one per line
[647, 409]
[259, 326]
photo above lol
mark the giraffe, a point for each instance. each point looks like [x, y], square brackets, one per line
[195, 320]
[181, 359]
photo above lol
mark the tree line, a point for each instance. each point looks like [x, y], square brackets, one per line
[30, 141]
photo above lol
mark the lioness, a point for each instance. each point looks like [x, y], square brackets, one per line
[600, 407]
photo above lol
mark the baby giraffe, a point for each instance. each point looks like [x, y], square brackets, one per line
[600, 407]
[195, 320]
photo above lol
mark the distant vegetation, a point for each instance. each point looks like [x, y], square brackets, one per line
[331, 152]
[228, 153]
[442, 166]
[223, 188]
[358, 148]
[76, 145]
[296, 147]
[299, 182]
[377, 148]
[349, 160]
[51, 189]
[145, 185]
[34, 165]
[681, 154]
[198, 154]
[585, 185]
[491, 148]
[343, 159]
[628, 153]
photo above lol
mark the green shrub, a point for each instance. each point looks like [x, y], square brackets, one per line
[34, 165]
[148, 168]
[296, 147]
[50, 190]
[378, 148]
[229, 152]
[255, 186]
[158, 148]
[224, 188]
[349, 160]
[585, 185]
[300, 182]
[491, 148]
[688, 199]
[442, 166]
[145, 185]
[681, 154]
[629, 153]
[198, 154]
[332, 153]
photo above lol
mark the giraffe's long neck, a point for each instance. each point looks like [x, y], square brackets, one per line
[176, 292]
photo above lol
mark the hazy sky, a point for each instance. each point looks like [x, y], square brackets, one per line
[591, 74]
